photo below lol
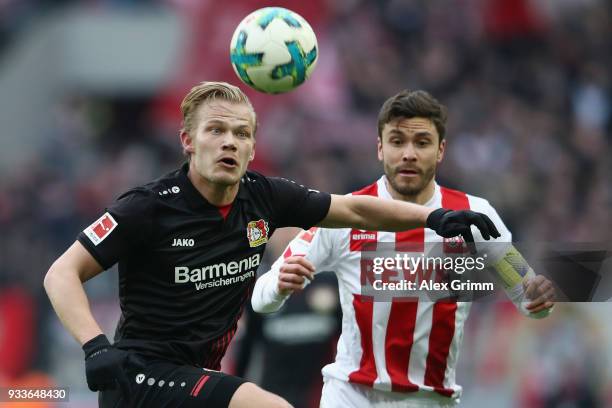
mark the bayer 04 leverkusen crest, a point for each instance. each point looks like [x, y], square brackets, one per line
[257, 232]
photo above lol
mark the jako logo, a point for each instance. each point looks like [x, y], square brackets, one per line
[182, 274]
[172, 190]
[179, 242]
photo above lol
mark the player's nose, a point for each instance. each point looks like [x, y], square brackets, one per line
[229, 142]
[409, 153]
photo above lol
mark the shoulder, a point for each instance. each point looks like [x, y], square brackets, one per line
[480, 204]
[168, 184]
[475, 203]
[257, 183]
[255, 179]
[139, 193]
[147, 195]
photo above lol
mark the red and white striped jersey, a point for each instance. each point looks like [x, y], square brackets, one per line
[390, 346]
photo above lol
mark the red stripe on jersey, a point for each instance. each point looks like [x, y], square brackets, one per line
[288, 253]
[197, 391]
[219, 347]
[230, 337]
[220, 351]
[364, 240]
[402, 321]
[454, 200]
[371, 190]
[226, 343]
[398, 343]
[364, 310]
[198, 385]
[443, 319]
[212, 357]
[222, 347]
[410, 241]
[308, 235]
[440, 339]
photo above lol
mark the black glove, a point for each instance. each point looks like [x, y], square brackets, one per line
[105, 366]
[448, 223]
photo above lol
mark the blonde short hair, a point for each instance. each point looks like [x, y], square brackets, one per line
[209, 91]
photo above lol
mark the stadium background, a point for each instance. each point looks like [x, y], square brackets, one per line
[90, 90]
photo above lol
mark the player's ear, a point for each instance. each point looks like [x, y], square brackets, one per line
[252, 155]
[379, 148]
[186, 142]
[441, 150]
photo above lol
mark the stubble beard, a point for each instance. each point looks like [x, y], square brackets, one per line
[413, 189]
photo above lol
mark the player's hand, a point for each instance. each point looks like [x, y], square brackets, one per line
[448, 224]
[541, 292]
[105, 366]
[293, 274]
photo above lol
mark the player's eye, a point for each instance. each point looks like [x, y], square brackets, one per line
[423, 143]
[216, 130]
[244, 135]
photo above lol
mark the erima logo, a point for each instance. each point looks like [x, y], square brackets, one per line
[183, 242]
[182, 274]
[362, 236]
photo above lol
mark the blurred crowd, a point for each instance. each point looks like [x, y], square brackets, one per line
[527, 84]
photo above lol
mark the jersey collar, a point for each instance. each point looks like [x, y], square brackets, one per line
[196, 199]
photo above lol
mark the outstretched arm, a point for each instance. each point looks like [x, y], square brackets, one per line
[371, 213]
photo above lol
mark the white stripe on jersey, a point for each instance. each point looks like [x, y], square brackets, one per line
[379, 333]
[420, 346]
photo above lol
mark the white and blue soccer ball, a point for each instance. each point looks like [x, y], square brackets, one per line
[273, 50]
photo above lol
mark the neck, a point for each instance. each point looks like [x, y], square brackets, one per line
[420, 197]
[216, 194]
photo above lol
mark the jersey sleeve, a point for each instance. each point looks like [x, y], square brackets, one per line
[295, 205]
[316, 245]
[509, 265]
[495, 249]
[122, 228]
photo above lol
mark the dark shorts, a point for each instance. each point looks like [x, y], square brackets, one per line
[163, 384]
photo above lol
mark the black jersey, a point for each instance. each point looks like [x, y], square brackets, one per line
[185, 273]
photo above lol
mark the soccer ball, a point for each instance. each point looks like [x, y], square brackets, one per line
[273, 50]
